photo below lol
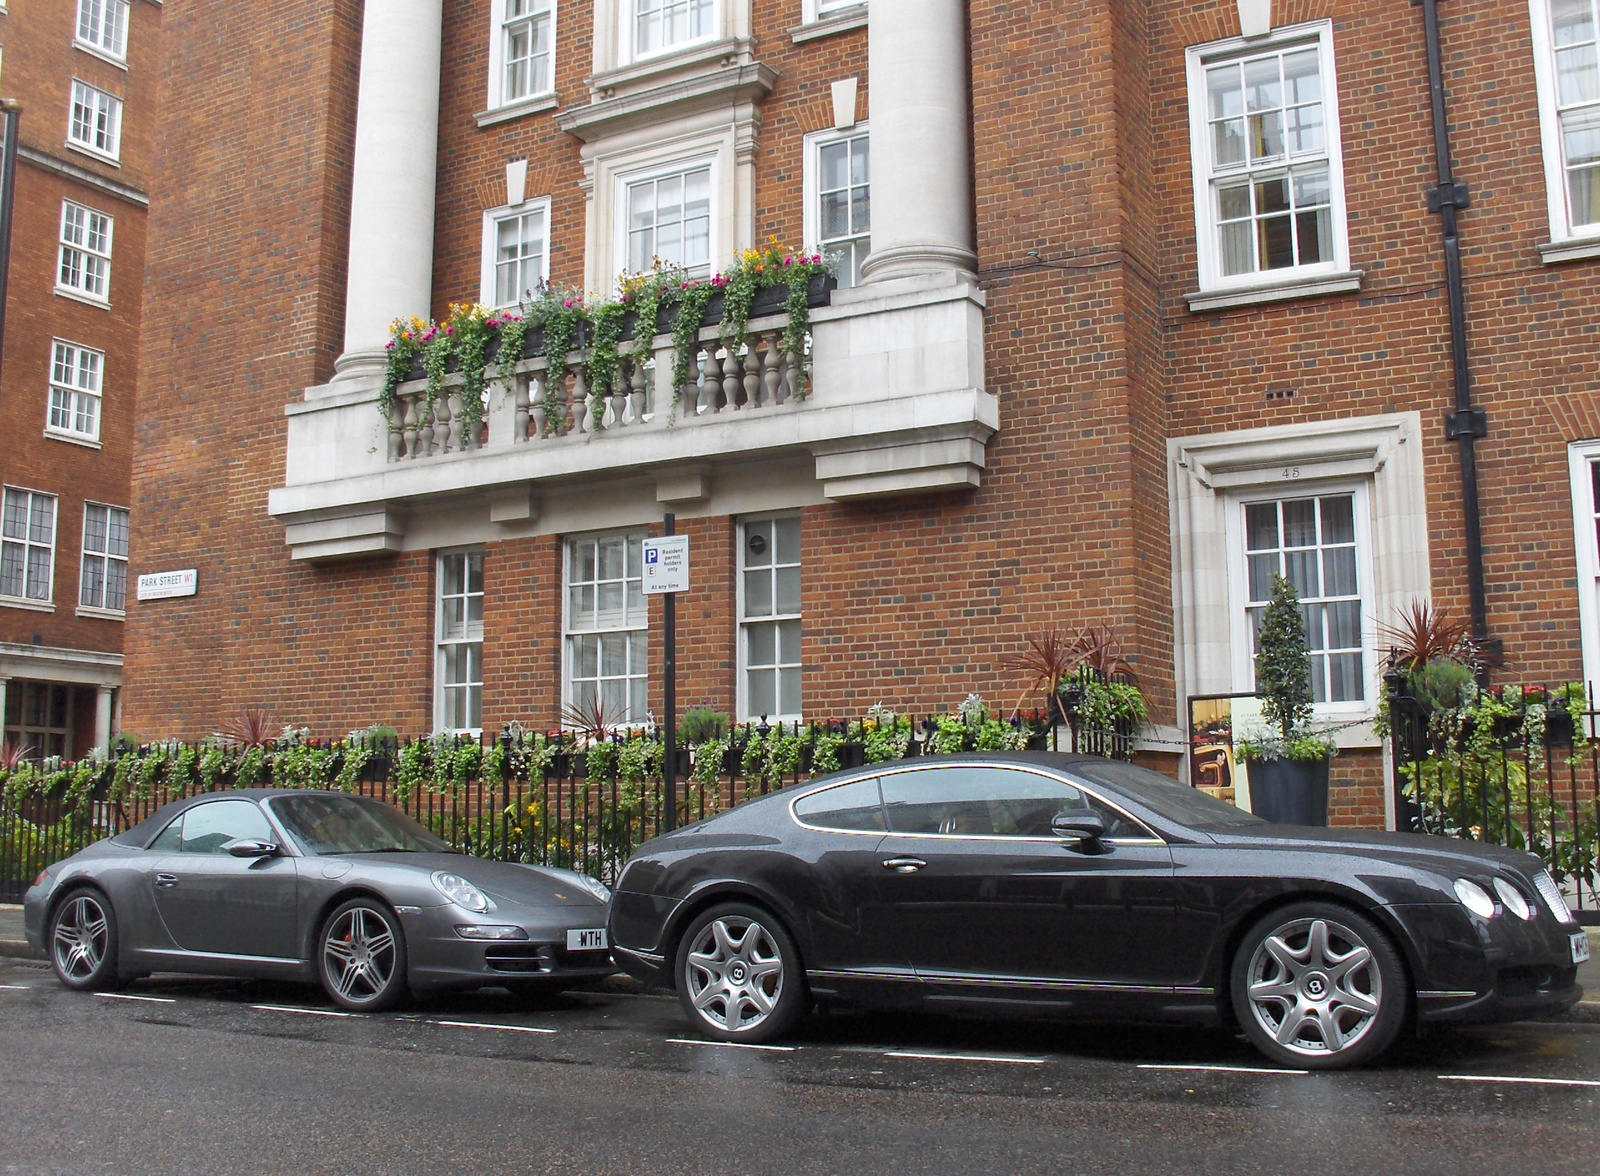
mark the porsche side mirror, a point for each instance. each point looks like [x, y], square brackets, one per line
[247, 848]
[1082, 829]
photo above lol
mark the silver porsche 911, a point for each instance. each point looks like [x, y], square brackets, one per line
[313, 886]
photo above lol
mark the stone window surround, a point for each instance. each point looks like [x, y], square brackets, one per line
[725, 139]
[1580, 456]
[811, 177]
[527, 103]
[1566, 243]
[1209, 474]
[1335, 277]
[491, 220]
[614, 31]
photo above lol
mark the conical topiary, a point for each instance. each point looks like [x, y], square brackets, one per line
[1283, 662]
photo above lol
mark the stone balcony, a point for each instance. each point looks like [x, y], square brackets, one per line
[889, 400]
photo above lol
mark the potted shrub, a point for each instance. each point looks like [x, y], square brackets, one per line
[1289, 764]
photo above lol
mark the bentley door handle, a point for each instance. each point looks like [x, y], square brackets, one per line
[904, 865]
[166, 881]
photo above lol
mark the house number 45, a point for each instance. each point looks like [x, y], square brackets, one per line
[1290, 473]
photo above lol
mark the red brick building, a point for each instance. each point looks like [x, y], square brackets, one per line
[85, 74]
[1137, 305]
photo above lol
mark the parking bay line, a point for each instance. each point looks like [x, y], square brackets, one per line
[16, 987]
[487, 1025]
[135, 996]
[733, 1045]
[306, 1012]
[952, 1057]
[1519, 1081]
[1220, 1069]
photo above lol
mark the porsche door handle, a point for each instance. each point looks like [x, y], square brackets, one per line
[166, 881]
[903, 865]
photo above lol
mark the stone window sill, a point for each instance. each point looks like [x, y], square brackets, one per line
[1571, 249]
[97, 156]
[28, 605]
[646, 70]
[1308, 287]
[102, 614]
[79, 296]
[71, 438]
[831, 24]
[96, 51]
[520, 109]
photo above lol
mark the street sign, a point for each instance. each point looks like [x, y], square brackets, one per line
[666, 565]
[163, 585]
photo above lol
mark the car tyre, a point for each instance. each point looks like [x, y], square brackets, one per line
[1317, 986]
[83, 942]
[361, 956]
[739, 976]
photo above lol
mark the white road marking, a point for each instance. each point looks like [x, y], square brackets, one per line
[732, 1045]
[307, 1012]
[486, 1025]
[1222, 1069]
[1519, 1081]
[16, 987]
[132, 996]
[952, 1057]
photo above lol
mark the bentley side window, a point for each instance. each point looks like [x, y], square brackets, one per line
[852, 808]
[989, 802]
[207, 828]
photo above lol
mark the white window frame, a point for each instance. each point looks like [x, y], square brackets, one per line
[742, 623]
[86, 252]
[683, 166]
[1239, 587]
[1207, 244]
[443, 641]
[106, 557]
[113, 48]
[1581, 455]
[634, 628]
[45, 602]
[812, 11]
[100, 105]
[628, 15]
[811, 180]
[1562, 230]
[492, 218]
[77, 394]
[498, 22]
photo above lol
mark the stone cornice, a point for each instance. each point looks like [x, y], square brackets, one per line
[731, 86]
[79, 175]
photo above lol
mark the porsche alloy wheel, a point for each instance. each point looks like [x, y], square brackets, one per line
[363, 956]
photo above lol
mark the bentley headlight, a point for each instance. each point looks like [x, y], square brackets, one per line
[1475, 898]
[461, 892]
[1512, 899]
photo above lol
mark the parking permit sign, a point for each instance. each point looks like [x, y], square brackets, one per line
[666, 565]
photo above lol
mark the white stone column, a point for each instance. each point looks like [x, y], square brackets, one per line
[3, 682]
[102, 717]
[921, 109]
[392, 186]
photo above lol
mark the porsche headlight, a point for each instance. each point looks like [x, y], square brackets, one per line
[595, 887]
[1512, 899]
[1475, 898]
[461, 892]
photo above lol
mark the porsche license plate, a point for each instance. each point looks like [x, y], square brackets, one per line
[595, 940]
[1580, 946]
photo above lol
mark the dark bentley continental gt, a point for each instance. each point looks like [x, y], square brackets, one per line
[1055, 884]
[314, 886]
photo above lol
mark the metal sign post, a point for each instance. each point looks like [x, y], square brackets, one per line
[666, 573]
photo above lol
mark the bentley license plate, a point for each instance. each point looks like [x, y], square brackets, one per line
[595, 940]
[1580, 946]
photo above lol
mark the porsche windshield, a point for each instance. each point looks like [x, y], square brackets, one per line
[347, 824]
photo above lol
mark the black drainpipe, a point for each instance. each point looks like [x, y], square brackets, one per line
[1466, 424]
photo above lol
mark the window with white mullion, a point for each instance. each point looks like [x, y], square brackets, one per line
[103, 24]
[96, 121]
[1312, 542]
[526, 44]
[38, 718]
[1575, 37]
[1584, 457]
[669, 219]
[459, 642]
[85, 255]
[75, 389]
[607, 621]
[770, 618]
[827, 6]
[103, 581]
[844, 205]
[664, 24]
[27, 544]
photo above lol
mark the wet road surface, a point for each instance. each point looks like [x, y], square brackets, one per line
[185, 1075]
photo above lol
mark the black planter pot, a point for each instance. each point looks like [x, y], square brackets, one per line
[852, 755]
[1290, 792]
[377, 769]
[1559, 728]
[681, 764]
[560, 764]
[733, 761]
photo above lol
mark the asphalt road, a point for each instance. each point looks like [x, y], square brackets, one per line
[180, 1075]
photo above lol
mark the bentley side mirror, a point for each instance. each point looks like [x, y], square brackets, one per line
[247, 848]
[1082, 829]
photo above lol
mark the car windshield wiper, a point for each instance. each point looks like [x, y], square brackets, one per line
[385, 849]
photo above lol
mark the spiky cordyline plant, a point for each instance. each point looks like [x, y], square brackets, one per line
[254, 728]
[1097, 648]
[13, 754]
[591, 718]
[1425, 633]
[1046, 662]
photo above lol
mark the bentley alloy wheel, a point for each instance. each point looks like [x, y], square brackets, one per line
[738, 975]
